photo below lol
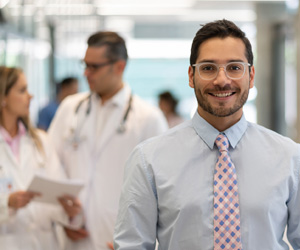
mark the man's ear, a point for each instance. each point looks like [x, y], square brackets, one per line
[120, 66]
[191, 77]
[252, 74]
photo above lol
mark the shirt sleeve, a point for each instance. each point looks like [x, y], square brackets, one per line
[137, 219]
[293, 228]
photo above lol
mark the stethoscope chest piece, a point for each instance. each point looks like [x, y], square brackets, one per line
[76, 141]
[121, 128]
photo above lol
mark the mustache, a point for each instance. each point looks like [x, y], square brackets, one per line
[220, 89]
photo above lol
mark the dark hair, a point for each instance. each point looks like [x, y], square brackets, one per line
[222, 29]
[167, 96]
[68, 81]
[116, 48]
[65, 83]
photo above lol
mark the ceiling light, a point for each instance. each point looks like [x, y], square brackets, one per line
[3, 3]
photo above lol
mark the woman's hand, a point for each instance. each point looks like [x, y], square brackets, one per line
[71, 205]
[20, 199]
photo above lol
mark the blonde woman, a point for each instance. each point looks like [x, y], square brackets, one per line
[25, 151]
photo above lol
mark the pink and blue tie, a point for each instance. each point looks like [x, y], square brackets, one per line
[227, 232]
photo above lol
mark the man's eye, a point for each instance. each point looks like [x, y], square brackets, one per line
[93, 67]
[207, 68]
[234, 67]
[23, 90]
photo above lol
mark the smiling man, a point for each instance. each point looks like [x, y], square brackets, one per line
[218, 181]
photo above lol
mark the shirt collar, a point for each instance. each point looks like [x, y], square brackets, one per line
[119, 99]
[209, 134]
[7, 137]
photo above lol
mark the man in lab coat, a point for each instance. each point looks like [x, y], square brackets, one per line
[94, 134]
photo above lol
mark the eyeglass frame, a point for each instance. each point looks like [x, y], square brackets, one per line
[93, 67]
[224, 66]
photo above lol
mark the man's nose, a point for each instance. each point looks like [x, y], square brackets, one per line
[87, 71]
[30, 96]
[221, 78]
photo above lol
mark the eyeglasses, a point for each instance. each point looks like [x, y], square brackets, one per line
[233, 70]
[95, 66]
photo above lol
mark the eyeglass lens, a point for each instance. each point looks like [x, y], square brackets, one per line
[94, 67]
[233, 70]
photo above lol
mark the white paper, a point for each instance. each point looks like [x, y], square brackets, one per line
[51, 189]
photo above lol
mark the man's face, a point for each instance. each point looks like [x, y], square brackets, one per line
[221, 96]
[102, 80]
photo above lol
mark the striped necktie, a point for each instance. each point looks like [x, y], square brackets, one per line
[227, 233]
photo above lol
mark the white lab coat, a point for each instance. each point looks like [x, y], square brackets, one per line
[30, 227]
[99, 159]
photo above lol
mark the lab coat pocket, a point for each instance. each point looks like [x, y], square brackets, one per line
[6, 183]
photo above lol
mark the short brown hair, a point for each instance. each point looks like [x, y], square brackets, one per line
[222, 29]
[116, 47]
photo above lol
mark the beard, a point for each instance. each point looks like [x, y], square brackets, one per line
[221, 110]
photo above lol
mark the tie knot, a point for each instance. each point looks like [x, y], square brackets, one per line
[222, 142]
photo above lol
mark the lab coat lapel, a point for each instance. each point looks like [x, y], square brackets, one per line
[6, 153]
[113, 120]
[83, 124]
[29, 154]
[109, 129]
[28, 151]
[16, 169]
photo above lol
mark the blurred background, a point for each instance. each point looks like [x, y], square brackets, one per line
[47, 38]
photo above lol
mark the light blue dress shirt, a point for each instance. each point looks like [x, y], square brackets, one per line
[168, 189]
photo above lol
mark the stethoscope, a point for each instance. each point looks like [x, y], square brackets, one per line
[75, 131]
